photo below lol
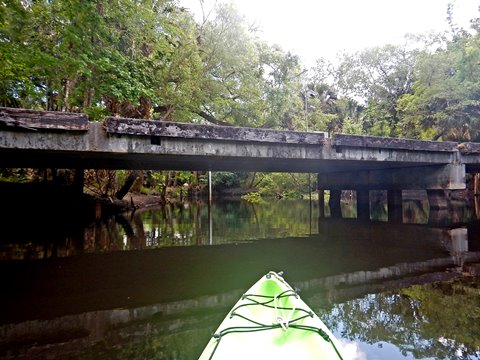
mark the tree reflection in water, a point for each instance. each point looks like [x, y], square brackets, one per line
[188, 224]
[437, 320]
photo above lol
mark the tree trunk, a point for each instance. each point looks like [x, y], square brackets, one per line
[129, 181]
[66, 94]
[88, 98]
[254, 175]
[50, 96]
[164, 189]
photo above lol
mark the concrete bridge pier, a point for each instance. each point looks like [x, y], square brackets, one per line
[363, 204]
[334, 203]
[433, 178]
[394, 206]
[321, 203]
[439, 206]
[438, 199]
[79, 181]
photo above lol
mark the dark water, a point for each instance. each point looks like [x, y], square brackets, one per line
[155, 284]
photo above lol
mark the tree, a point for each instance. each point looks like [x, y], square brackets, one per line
[246, 82]
[78, 54]
[378, 77]
[445, 103]
[329, 110]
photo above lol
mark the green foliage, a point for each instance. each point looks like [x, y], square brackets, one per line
[17, 175]
[252, 197]
[144, 59]
[246, 82]
[77, 54]
[96, 113]
[283, 185]
[427, 89]
[352, 126]
[150, 59]
[225, 179]
[379, 76]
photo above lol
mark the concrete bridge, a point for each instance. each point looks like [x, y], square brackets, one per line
[344, 162]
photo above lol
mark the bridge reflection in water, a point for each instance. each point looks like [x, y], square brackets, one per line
[169, 296]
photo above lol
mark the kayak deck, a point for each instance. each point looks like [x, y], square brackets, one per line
[271, 321]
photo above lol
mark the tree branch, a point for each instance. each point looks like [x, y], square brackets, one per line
[211, 118]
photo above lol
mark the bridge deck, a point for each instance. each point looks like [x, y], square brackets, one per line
[62, 140]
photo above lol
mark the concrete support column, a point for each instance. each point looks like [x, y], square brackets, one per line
[334, 203]
[321, 197]
[438, 200]
[321, 203]
[394, 206]
[78, 181]
[363, 204]
[324, 228]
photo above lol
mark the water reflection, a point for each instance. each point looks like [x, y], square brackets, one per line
[198, 224]
[418, 310]
[391, 289]
[189, 224]
[439, 320]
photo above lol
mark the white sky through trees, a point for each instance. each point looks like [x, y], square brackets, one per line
[320, 28]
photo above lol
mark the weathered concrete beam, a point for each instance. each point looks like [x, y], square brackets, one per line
[22, 119]
[123, 126]
[98, 149]
[449, 176]
[378, 142]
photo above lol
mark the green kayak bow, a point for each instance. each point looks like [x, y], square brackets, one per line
[270, 321]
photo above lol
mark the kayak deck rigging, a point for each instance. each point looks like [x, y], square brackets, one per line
[272, 307]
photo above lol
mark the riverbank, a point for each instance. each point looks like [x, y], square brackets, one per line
[46, 199]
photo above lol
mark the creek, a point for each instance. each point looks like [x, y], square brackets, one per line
[155, 283]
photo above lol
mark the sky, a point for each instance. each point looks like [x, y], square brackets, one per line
[319, 28]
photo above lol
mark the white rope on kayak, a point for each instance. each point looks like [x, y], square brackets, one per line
[284, 317]
[282, 320]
